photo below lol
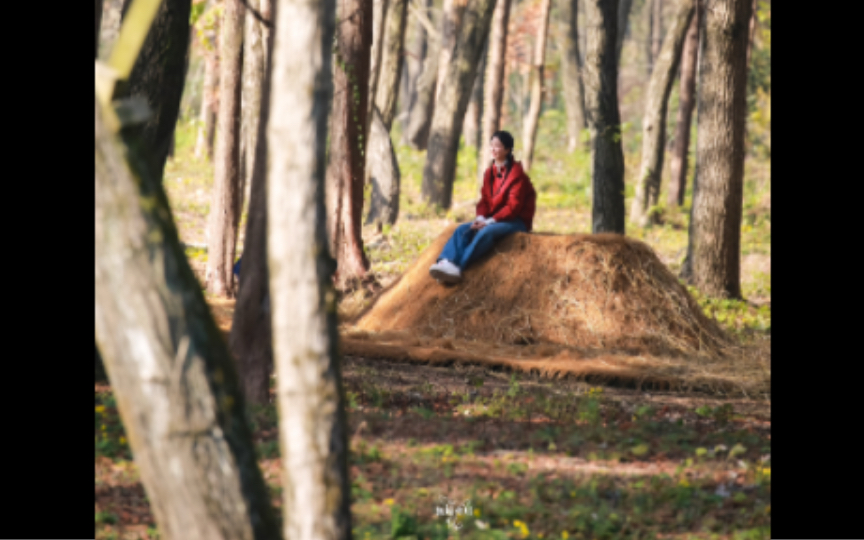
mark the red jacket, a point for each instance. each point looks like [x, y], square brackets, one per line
[513, 196]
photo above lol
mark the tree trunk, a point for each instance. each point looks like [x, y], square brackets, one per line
[174, 379]
[382, 170]
[379, 15]
[391, 60]
[250, 339]
[423, 100]
[159, 76]
[312, 423]
[657, 29]
[209, 96]
[686, 99]
[624, 7]
[601, 106]
[98, 25]
[494, 89]
[345, 168]
[224, 208]
[440, 166]
[574, 91]
[654, 121]
[714, 248]
[529, 130]
[415, 60]
[473, 116]
[255, 35]
[451, 20]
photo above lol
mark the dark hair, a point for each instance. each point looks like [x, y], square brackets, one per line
[506, 140]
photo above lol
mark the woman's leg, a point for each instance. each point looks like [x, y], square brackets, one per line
[486, 238]
[462, 236]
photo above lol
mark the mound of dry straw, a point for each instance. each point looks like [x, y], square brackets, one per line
[600, 307]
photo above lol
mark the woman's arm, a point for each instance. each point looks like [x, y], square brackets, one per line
[516, 195]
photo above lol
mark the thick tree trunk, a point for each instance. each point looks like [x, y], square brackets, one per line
[714, 249]
[348, 140]
[624, 7]
[451, 20]
[312, 423]
[474, 114]
[494, 88]
[529, 129]
[224, 208]
[250, 339]
[391, 60]
[379, 15]
[174, 379]
[416, 132]
[414, 59]
[159, 76]
[686, 100]
[654, 120]
[440, 166]
[601, 107]
[574, 91]
[382, 170]
[255, 35]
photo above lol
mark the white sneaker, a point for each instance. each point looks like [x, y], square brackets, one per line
[446, 271]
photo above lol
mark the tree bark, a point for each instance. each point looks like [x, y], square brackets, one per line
[224, 208]
[574, 91]
[714, 248]
[255, 35]
[440, 166]
[601, 106]
[379, 15]
[174, 380]
[98, 25]
[345, 169]
[415, 60]
[624, 7]
[657, 29]
[251, 339]
[474, 114]
[529, 130]
[312, 422]
[494, 88]
[159, 76]
[654, 120]
[209, 94]
[423, 104]
[686, 100]
[451, 20]
[382, 170]
[391, 60]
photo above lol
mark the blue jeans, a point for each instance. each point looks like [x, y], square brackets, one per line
[466, 246]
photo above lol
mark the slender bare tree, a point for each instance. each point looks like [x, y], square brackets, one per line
[440, 166]
[601, 106]
[379, 14]
[494, 88]
[473, 116]
[423, 103]
[571, 72]
[713, 262]
[173, 377]
[348, 140]
[209, 41]
[686, 100]
[529, 128]
[654, 120]
[316, 489]
[390, 73]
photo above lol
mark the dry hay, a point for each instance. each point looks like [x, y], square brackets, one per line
[601, 307]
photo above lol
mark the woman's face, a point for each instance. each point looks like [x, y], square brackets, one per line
[499, 153]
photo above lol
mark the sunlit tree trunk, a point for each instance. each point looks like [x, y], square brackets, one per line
[654, 120]
[250, 338]
[316, 486]
[686, 100]
[225, 205]
[382, 172]
[529, 129]
[423, 104]
[391, 60]
[451, 20]
[209, 93]
[379, 14]
[159, 76]
[173, 378]
[473, 116]
[440, 166]
[714, 248]
[348, 140]
[601, 107]
[415, 59]
[494, 88]
[571, 73]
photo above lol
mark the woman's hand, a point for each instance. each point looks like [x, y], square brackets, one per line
[478, 224]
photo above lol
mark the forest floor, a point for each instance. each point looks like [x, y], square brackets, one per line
[537, 458]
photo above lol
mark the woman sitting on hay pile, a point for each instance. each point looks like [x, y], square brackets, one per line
[506, 206]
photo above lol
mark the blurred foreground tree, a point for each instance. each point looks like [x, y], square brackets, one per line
[440, 166]
[686, 100]
[713, 262]
[601, 107]
[348, 139]
[654, 119]
[225, 203]
[250, 339]
[312, 423]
